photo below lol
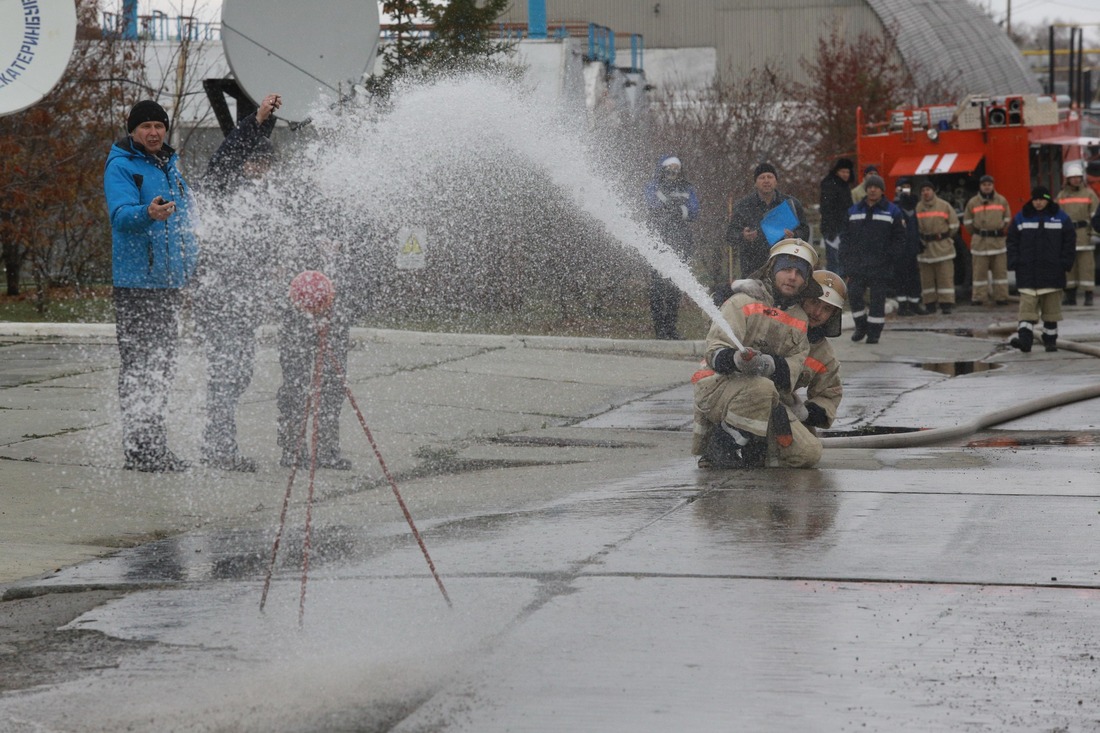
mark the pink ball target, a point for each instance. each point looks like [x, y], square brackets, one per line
[311, 291]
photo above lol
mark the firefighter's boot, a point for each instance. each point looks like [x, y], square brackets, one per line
[874, 330]
[1050, 335]
[1024, 337]
[861, 328]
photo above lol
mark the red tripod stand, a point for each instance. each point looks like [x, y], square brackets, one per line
[312, 292]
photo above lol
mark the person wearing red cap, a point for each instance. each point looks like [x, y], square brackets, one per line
[153, 256]
[1041, 250]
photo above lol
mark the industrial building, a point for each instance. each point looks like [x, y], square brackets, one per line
[948, 39]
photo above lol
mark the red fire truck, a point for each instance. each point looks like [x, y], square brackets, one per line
[1022, 141]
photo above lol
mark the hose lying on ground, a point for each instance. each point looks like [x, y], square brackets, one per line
[940, 435]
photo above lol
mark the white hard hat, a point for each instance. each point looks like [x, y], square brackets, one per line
[795, 247]
[835, 292]
[1073, 168]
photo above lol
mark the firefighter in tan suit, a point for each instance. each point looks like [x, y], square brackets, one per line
[937, 223]
[743, 397]
[1080, 203]
[987, 217]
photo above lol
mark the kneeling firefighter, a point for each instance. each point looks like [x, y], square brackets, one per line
[742, 394]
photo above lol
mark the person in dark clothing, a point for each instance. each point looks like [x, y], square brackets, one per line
[836, 199]
[1042, 248]
[153, 256]
[876, 232]
[906, 269]
[671, 204]
[235, 275]
[744, 235]
[325, 244]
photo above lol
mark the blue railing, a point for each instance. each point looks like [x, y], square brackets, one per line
[159, 26]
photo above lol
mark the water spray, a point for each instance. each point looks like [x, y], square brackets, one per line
[312, 292]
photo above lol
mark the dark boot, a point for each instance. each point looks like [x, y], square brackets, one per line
[1070, 298]
[781, 426]
[905, 308]
[861, 329]
[946, 308]
[755, 453]
[1023, 338]
[874, 330]
[1050, 335]
[1088, 297]
[721, 451]
[919, 309]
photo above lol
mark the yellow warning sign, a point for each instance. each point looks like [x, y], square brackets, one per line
[412, 248]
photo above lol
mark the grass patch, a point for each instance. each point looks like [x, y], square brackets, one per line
[627, 321]
[60, 305]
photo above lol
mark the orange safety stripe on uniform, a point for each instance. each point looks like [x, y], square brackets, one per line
[1080, 200]
[816, 365]
[763, 309]
[702, 374]
[990, 207]
[936, 214]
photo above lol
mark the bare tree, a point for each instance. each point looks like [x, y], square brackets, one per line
[720, 133]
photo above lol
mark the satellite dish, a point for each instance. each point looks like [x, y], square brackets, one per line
[300, 50]
[34, 49]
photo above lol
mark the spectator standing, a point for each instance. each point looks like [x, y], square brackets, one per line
[741, 397]
[671, 206]
[987, 216]
[937, 223]
[236, 272]
[153, 252]
[906, 270]
[861, 190]
[330, 245]
[1080, 203]
[876, 234]
[744, 234]
[836, 192]
[1041, 250]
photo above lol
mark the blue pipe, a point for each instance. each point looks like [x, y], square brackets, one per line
[536, 19]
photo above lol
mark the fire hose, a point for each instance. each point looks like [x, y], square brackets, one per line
[940, 435]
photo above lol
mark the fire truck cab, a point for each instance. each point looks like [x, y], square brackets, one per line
[1022, 141]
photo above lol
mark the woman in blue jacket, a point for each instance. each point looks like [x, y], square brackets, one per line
[154, 252]
[1042, 245]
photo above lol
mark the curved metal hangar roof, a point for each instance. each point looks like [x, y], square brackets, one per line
[952, 39]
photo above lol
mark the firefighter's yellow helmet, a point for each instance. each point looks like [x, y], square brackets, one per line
[835, 292]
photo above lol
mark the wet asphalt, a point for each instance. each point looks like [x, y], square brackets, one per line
[598, 580]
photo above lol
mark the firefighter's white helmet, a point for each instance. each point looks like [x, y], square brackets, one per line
[1073, 168]
[796, 248]
[835, 292]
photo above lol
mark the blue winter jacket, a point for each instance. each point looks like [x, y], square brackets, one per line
[1041, 246]
[148, 253]
[875, 236]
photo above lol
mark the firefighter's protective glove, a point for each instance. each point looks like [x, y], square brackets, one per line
[752, 363]
[799, 407]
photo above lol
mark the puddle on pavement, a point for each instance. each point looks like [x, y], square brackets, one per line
[958, 368]
[868, 430]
